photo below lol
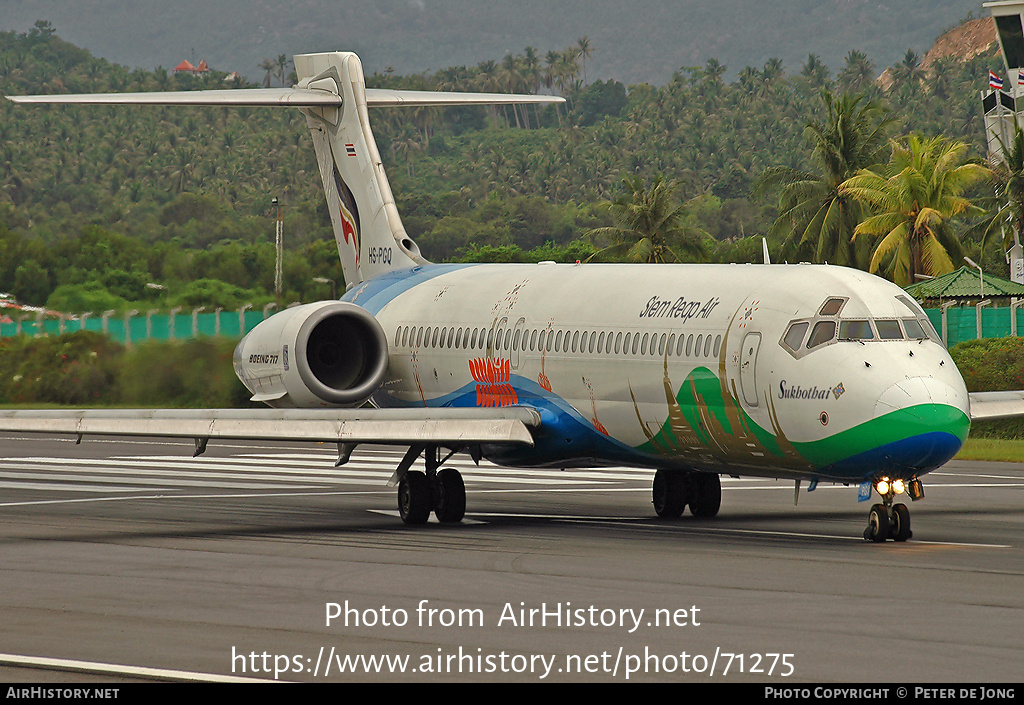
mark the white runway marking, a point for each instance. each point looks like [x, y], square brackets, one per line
[163, 674]
[123, 477]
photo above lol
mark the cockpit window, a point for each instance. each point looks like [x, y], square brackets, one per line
[795, 335]
[856, 330]
[922, 319]
[827, 323]
[831, 307]
[889, 330]
[912, 305]
[823, 332]
[915, 331]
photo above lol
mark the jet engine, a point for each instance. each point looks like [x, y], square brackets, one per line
[330, 353]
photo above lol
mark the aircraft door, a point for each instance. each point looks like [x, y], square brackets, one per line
[748, 367]
[517, 343]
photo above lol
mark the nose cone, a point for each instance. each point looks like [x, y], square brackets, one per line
[926, 421]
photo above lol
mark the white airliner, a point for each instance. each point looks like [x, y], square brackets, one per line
[806, 372]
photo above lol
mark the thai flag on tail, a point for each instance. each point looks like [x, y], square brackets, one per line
[1020, 77]
[994, 81]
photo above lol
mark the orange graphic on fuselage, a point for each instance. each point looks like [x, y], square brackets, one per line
[492, 378]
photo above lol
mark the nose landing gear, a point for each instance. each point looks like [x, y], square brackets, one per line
[888, 520]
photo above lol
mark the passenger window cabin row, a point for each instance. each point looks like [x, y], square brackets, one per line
[506, 339]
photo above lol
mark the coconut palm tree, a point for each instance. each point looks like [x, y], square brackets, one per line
[585, 49]
[817, 219]
[915, 197]
[1007, 203]
[815, 71]
[268, 65]
[858, 74]
[651, 225]
[907, 75]
[282, 64]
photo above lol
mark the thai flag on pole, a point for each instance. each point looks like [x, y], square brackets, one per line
[994, 81]
[1020, 77]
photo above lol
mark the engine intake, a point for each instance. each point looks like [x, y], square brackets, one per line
[331, 353]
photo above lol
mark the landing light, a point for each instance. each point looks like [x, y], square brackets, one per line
[886, 486]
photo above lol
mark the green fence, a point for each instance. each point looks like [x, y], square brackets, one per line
[137, 328]
[961, 324]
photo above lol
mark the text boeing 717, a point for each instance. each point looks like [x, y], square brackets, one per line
[806, 372]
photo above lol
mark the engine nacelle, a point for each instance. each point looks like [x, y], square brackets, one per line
[330, 353]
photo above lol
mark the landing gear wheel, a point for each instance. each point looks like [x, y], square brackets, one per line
[669, 493]
[878, 524]
[705, 494]
[899, 527]
[449, 497]
[414, 498]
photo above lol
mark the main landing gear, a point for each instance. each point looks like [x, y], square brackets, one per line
[442, 491]
[675, 489]
[888, 520]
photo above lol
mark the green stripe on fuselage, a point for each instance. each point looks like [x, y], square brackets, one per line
[883, 430]
[716, 420]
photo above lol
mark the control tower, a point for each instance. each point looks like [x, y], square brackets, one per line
[1001, 109]
[1000, 105]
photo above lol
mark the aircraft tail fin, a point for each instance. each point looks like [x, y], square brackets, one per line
[367, 228]
[369, 232]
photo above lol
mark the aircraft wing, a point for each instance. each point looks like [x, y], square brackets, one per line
[996, 405]
[382, 426]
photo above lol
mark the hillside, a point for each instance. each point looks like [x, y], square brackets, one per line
[644, 41]
[119, 198]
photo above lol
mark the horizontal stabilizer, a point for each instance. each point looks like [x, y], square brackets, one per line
[996, 405]
[286, 98]
[381, 98]
[384, 426]
[254, 97]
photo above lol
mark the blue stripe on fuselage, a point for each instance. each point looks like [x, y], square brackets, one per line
[374, 294]
[906, 458]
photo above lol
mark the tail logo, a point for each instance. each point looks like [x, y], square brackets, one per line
[348, 229]
[492, 378]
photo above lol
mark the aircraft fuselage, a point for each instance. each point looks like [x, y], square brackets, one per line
[774, 370]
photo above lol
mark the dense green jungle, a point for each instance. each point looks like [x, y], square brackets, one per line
[112, 207]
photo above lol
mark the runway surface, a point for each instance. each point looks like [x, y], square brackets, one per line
[131, 560]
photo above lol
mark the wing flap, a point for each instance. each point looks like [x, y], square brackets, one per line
[996, 405]
[381, 426]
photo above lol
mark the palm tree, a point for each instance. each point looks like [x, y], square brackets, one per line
[817, 217]
[774, 70]
[814, 71]
[908, 74]
[915, 197]
[651, 226]
[268, 65]
[282, 67]
[1008, 201]
[858, 74]
[585, 50]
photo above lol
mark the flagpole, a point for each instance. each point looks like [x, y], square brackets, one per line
[1002, 120]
